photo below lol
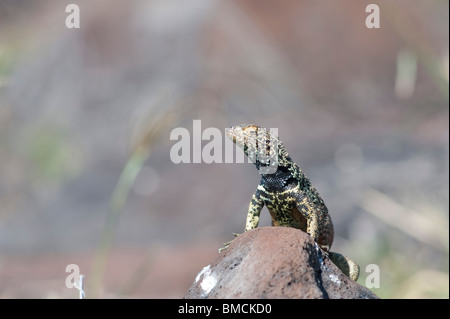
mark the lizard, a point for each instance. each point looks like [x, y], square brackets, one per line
[287, 192]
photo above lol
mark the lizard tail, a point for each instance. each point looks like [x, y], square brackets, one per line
[347, 266]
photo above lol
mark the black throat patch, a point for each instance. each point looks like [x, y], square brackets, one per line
[279, 181]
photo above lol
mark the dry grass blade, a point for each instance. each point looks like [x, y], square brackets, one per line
[406, 220]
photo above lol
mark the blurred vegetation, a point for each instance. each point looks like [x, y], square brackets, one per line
[84, 113]
[51, 153]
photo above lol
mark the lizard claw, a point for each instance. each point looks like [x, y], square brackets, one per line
[225, 245]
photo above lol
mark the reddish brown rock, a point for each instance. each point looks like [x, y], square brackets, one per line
[274, 262]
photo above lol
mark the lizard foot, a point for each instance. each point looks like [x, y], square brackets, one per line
[225, 245]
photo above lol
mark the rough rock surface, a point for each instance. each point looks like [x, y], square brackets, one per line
[274, 262]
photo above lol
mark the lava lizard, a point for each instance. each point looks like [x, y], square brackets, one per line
[287, 193]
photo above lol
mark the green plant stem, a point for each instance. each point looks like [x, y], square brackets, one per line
[117, 203]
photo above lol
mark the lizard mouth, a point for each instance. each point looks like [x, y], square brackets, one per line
[230, 133]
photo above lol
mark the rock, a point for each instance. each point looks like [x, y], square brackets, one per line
[274, 262]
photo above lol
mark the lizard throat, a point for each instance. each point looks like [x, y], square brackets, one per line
[281, 180]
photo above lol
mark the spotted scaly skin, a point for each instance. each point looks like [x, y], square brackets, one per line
[286, 191]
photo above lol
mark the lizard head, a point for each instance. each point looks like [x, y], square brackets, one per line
[261, 147]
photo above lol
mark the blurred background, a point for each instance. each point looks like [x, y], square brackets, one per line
[86, 115]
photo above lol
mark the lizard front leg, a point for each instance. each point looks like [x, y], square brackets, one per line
[310, 215]
[254, 210]
[313, 225]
